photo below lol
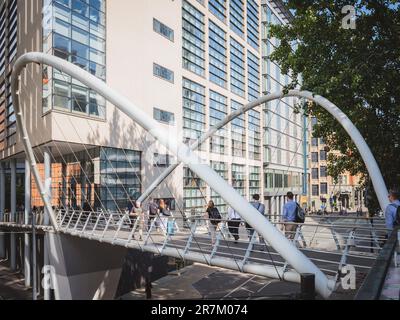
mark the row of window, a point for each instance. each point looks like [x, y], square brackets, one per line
[319, 189]
[275, 180]
[319, 173]
[194, 48]
[315, 142]
[281, 157]
[8, 52]
[322, 156]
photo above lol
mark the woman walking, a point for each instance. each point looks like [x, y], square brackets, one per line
[164, 215]
[215, 218]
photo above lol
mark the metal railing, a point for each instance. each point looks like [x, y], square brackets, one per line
[328, 242]
[372, 286]
[329, 245]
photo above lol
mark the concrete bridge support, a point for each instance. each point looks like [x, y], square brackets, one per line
[81, 269]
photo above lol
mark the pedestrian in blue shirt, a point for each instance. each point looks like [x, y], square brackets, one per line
[391, 209]
[289, 216]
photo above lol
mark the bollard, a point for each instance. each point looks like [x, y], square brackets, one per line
[307, 286]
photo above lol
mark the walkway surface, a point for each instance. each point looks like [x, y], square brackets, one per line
[199, 281]
[391, 288]
[12, 285]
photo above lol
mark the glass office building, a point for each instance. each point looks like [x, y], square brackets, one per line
[74, 30]
[187, 64]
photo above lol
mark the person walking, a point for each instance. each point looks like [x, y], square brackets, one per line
[215, 218]
[153, 212]
[260, 208]
[289, 216]
[234, 221]
[391, 216]
[164, 215]
[132, 212]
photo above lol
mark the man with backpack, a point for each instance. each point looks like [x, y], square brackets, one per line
[392, 212]
[292, 214]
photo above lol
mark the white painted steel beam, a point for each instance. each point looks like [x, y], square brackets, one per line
[366, 154]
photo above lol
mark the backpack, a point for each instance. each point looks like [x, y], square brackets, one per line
[300, 216]
[214, 214]
[396, 221]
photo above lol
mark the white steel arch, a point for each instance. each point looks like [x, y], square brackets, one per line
[276, 239]
[366, 154]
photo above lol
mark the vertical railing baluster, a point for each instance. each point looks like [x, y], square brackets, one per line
[107, 225]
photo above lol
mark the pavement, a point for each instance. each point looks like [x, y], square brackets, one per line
[199, 282]
[12, 285]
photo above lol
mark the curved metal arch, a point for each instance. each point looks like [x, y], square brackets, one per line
[276, 239]
[366, 154]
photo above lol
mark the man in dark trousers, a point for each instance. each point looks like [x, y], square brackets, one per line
[152, 213]
[260, 208]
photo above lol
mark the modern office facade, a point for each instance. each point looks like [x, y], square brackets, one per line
[187, 73]
[346, 193]
[283, 127]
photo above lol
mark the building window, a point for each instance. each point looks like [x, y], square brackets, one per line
[162, 29]
[237, 68]
[115, 189]
[163, 73]
[217, 41]
[315, 190]
[322, 155]
[269, 180]
[194, 191]
[239, 178]
[324, 188]
[218, 112]
[193, 39]
[77, 34]
[254, 132]
[218, 8]
[238, 132]
[164, 116]
[161, 160]
[278, 180]
[194, 118]
[254, 180]
[314, 142]
[253, 34]
[323, 172]
[314, 173]
[253, 68]
[314, 156]
[267, 155]
[237, 17]
[222, 169]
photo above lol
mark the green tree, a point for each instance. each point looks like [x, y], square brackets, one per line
[357, 69]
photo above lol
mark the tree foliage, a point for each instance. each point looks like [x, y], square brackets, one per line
[357, 69]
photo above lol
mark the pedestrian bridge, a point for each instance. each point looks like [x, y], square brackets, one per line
[320, 246]
[330, 242]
